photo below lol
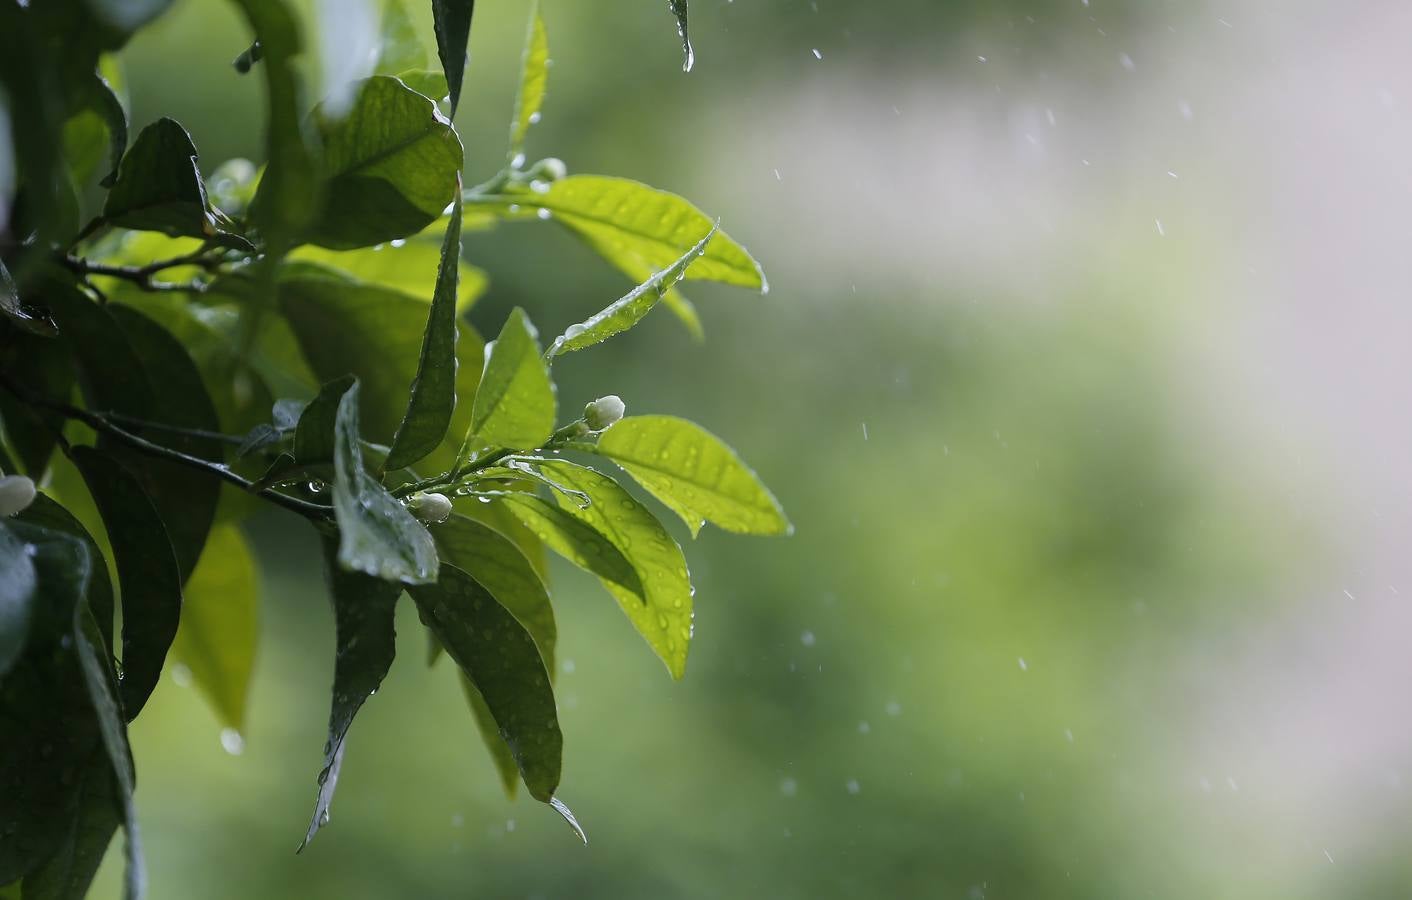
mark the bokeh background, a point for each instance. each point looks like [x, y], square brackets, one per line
[1085, 379]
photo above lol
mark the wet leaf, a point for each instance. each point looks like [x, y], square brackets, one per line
[45, 367]
[500, 754]
[390, 165]
[159, 186]
[501, 659]
[314, 434]
[17, 594]
[363, 610]
[433, 393]
[626, 312]
[46, 513]
[515, 404]
[694, 473]
[148, 577]
[377, 535]
[411, 267]
[534, 81]
[578, 542]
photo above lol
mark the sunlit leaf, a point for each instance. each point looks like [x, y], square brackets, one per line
[377, 535]
[216, 638]
[626, 312]
[433, 392]
[501, 659]
[515, 404]
[390, 165]
[365, 645]
[401, 48]
[409, 267]
[534, 81]
[694, 473]
[578, 542]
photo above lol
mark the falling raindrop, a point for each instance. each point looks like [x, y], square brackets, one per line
[232, 742]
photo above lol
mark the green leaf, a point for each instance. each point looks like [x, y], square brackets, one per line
[694, 473]
[185, 499]
[689, 55]
[411, 267]
[500, 754]
[501, 659]
[664, 619]
[378, 536]
[363, 610]
[68, 874]
[314, 434]
[504, 523]
[44, 366]
[17, 590]
[110, 371]
[401, 47]
[637, 228]
[287, 199]
[515, 404]
[219, 628]
[159, 186]
[148, 576]
[376, 334]
[433, 393]
[451, 20]
[577, 542]
[46, 513]
[391, 166]
[99, 119]
[623, 314]
[429, 84]
[533, 82]
[499, 567]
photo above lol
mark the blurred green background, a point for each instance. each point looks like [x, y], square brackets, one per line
[1082, 377]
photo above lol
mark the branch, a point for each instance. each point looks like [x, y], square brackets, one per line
[142, 275]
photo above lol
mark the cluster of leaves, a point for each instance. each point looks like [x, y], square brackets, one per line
[293, 335]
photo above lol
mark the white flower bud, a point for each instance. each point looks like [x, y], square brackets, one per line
[551, 169]
[16, 494]
[432, 509]
[604, 412]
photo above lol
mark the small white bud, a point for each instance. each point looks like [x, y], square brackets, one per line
[551, 169]
[16, 494]
[432, 509]
[604, 412]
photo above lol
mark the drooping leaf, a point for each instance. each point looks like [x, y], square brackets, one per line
[534, 82]
[664, 619]
[433, 393]
[314, 434]
[626, 312]
[515, 404]
[390, 165]
[577, 542]
[501, 659]
[159, 186]
[68, 874]
[17, 595]
[218, 630]
[500, 754]
[452, 22]
[366, 643]
[688, 54]
[44, 366]
[499, 567]
[148, 576]
[46, 513]
[287, 198]
[378, 536]
[694, 473]
[376, 334]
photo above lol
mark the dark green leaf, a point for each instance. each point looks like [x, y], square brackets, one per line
[17, 590]
[29, 317]
[148, 576]
[515, 404]
[577, 542]
[68, 874]
[504, 523]
[694, 473]
[534, 81]
[159, 186]
[363, 617]
[313, 436]
[501, 660]
[45, 512]
[110, 371]
[500, 754]
[102, 105]
[433, 398]
[42, 365]
[391, 165]
[626, 312]
[216, 638]
[665, 618]
[378, 536]
[688, 54]
[452, 23]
